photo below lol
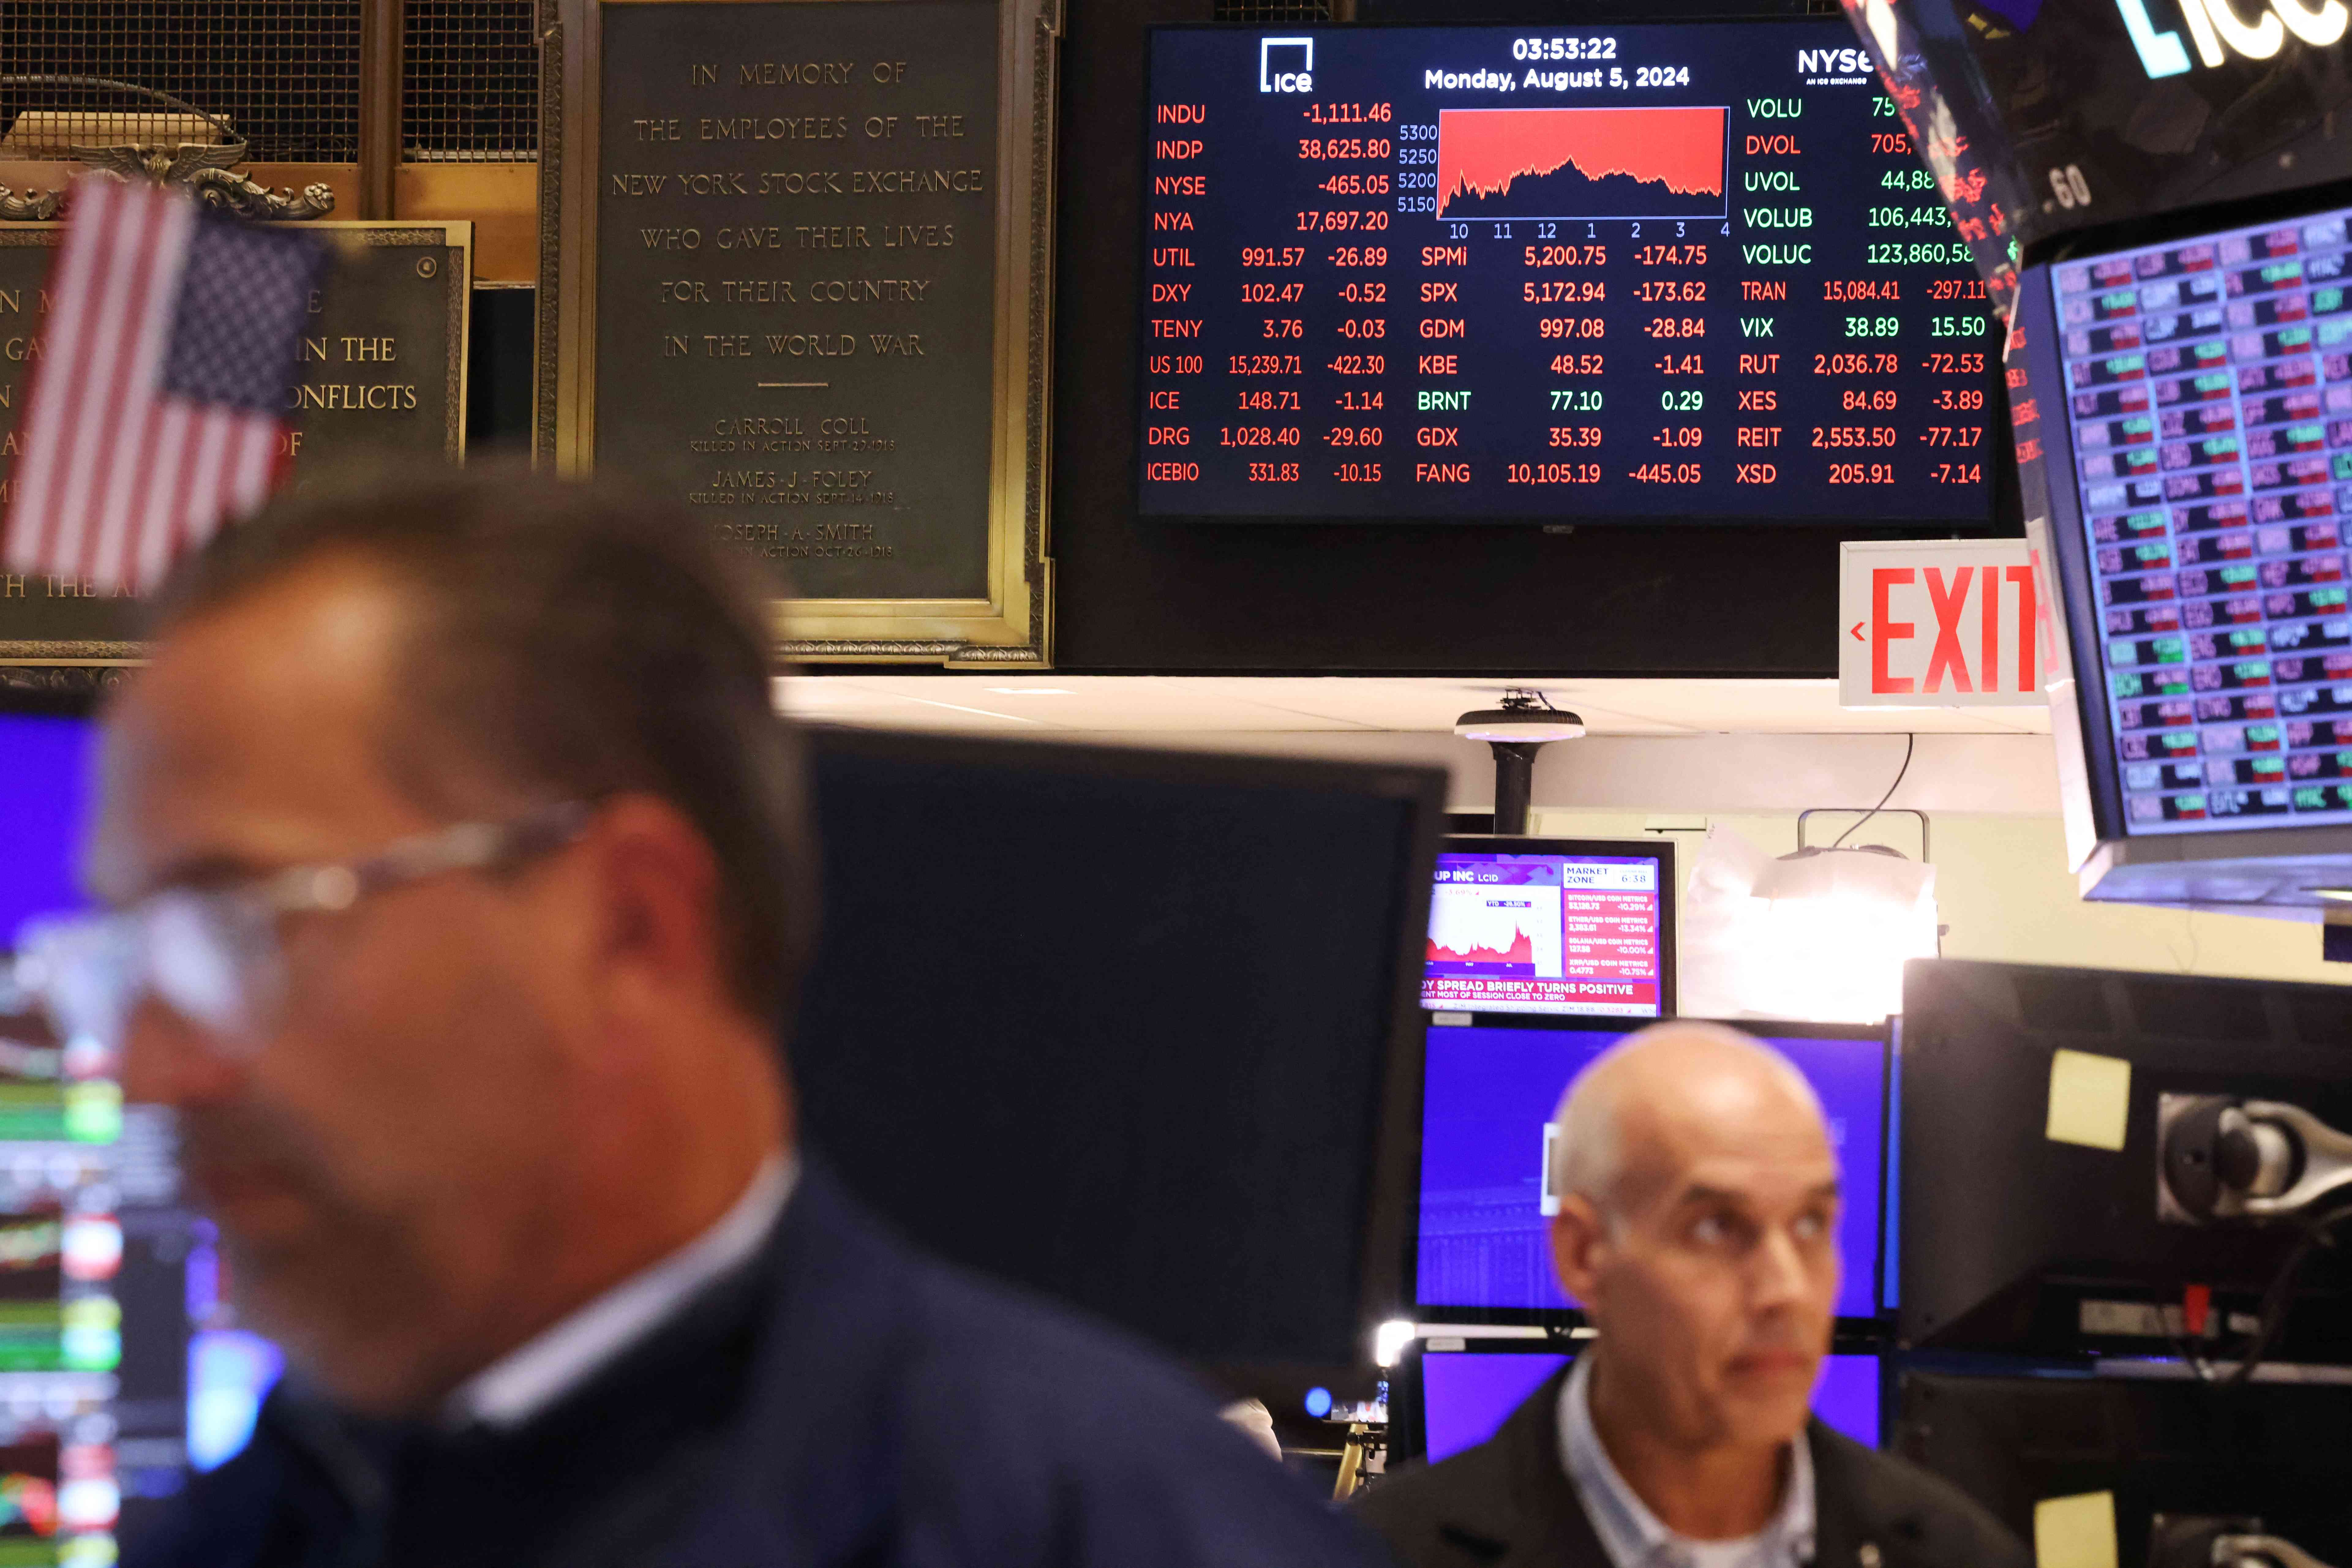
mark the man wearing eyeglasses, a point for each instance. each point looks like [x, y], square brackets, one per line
[458, 882]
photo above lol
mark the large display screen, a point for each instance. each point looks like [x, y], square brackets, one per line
[1488, 1099]
[2209, 401]
[1466, 1395]
[1641, 272]
[1546, 933]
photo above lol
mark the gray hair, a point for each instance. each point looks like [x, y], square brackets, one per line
[573, 642]
[1588, 1146]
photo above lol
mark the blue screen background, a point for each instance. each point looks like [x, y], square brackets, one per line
[1485, 1096]
[1466, 1395]
[45, 783]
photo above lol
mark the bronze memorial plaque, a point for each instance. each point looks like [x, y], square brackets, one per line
[797, 277]
[384, 369]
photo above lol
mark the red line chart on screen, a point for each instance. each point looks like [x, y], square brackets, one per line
[1485, 923]
[1582, 164]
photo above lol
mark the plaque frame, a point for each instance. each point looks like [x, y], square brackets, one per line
[94, 658]
[1012, 626]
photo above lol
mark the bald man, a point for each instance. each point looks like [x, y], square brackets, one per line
[1697, 1224]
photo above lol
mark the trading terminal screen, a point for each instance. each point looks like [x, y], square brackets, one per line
[1546, 933]
[1467, 1395]
[1482, 1243]
[2208, 385]
[122, 1365]
[1652, 272]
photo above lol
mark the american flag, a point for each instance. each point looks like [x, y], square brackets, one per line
[169, 363]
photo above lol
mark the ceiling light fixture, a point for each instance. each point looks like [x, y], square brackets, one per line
[1821, 934]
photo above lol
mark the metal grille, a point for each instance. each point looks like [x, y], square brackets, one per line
[470, 87]
[283, 75]
[1274, 10]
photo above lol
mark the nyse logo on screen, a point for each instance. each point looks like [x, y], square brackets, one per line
[1286, 65]
[1831, 62]
[2220, 30]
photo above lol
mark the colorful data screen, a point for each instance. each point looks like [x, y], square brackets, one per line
[1488, 1096]
[1668, 273]
[2208, 386]
[1546, 933]
[1466, 1395]
[112, 1380]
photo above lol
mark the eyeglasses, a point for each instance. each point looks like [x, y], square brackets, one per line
[214, 955]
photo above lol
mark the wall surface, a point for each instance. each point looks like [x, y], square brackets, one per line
[2003, 883]
[2003, 892]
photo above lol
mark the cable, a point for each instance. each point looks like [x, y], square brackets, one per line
[1910, 744]
[2275, 1300]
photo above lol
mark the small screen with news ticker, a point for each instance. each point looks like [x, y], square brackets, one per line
[1651, 273]
[2208, 392]
[1545, 934]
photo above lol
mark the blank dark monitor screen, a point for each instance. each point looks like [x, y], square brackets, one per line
[1549, 931]
[1644, 272]
[2208, 388]
[2160, 1448]
[1120, 1025]
[1466, 1395]
[2040, 1215]
[1487, 1097]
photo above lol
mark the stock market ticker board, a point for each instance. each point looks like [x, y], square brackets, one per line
[1665, 273]
[2209, 395]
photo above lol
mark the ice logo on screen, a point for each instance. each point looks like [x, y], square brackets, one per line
[2220, 32]
[1275, 59]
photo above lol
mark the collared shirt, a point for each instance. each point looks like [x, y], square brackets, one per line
[1635, 1538]
[536, 1374]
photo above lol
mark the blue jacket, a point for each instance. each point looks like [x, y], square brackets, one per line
[842, 1400]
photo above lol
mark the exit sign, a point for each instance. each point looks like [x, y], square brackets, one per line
[1940, 623]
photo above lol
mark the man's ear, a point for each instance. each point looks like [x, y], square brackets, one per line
[659, 932]
[1579, 1248]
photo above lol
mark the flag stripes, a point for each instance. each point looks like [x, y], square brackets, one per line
[119, 474]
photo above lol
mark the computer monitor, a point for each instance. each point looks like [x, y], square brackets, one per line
[1448, 1395]
[1580, 927]
[1481, 1250]
[1473, 273]
[95, 1348]
[2171, 1446]
[2185, 395]
[2039, 1213]
[1126, 1026]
